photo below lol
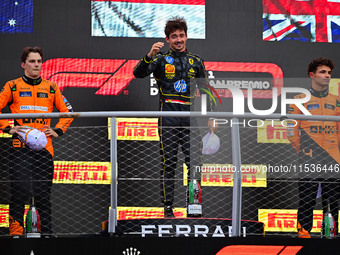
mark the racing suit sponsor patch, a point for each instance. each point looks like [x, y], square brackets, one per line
[174, 101]
[191, 73]
[191, 61]
[67, 103]
[169, 68]
[180, 86]
[168, 59]
[33, 108]
[42, 95]
[169, 71]
[313, 106]
[329, 106]
[290, 129]
[25, 94]
[290, 109]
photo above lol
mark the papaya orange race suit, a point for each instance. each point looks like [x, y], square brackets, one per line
[31, 172]
[317, 143]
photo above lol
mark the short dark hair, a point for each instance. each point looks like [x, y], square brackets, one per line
[28, 50]
[320, 62]
[175, 23]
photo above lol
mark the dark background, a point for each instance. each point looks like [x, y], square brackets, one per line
[233, 34]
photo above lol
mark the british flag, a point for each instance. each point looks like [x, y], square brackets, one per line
[303, 20]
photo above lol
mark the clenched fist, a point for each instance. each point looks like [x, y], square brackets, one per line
[156, 47]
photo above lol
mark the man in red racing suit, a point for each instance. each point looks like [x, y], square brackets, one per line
[31, 172]
[317, 143]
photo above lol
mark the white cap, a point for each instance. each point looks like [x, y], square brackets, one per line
[211, 143]
[33, 138]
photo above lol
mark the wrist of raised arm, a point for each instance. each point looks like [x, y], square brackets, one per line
[147, 59]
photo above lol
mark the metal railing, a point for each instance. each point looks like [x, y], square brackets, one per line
[234, 123]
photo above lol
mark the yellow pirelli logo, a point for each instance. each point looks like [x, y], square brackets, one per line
[129, 213]
[223, 175]
[82, 172]
[280, 220]
[137, 129]
[4, 209]
[4, 215]
[271, 132]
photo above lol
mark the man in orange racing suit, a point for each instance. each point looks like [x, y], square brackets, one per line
[31, 172]
[317, 143]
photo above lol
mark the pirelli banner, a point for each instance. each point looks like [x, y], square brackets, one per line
[222, 175]
[82, 172]
[271, 132]
[4, 215]
[130, 213]
[285, 220]
[137, 129]
[4, 209]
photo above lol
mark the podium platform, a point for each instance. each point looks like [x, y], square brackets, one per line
[172, 236]
[134, 245]
[187, 227]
